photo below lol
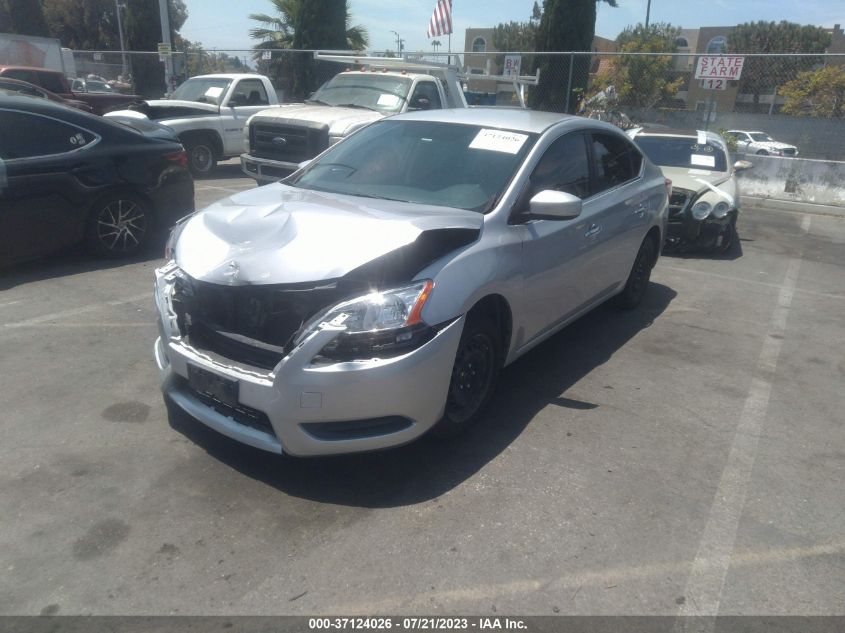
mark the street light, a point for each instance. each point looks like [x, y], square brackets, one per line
[119, 6]
[399, 43]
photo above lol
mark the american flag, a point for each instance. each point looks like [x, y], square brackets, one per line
[441, 20]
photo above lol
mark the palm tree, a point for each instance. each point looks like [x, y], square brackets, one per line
[435, 44]
[278, 31]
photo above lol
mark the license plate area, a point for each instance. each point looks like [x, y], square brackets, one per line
[224, 390]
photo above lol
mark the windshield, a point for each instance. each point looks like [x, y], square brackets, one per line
[761, 136]
[380, 93]
[202, 90]
[668, 151]
[444, 164]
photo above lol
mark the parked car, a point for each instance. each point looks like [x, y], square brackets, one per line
[24, 88]
[56, 82]
[91, 85]
[72, 177]
[209, 112]
[760, 143]
[376, 293]
[705, 203]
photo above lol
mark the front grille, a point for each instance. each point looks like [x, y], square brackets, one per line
[249, 324]
[678, 201]
[290, 142]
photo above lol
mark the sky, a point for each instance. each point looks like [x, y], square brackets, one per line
[223, 24]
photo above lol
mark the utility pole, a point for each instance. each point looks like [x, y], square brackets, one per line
[400, 43]
[118, 7]
[165, 38]
[647, 13]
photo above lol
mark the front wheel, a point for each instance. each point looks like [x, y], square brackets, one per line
[474, 375]
[728, 237]
[762, 152]
[119, 225]
[638, 278]
[201, 157]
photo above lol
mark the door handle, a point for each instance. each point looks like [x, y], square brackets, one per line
[640, 210]
[594, 229]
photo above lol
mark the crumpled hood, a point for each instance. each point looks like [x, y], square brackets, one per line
[687, 178]
[341, 121]
[279, 234]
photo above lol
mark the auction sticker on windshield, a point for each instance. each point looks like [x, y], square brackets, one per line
[214, 92]
[388, 100]
[703, 161]
[498, 141]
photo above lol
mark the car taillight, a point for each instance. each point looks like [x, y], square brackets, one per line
[668, 184]
[177, 158]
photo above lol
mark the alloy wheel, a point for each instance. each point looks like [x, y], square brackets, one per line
[121, 226]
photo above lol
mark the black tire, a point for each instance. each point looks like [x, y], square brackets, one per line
[120, 224]
[762, 152]
[638, 278]
[729, 238]
[474, 375]
[202, 158]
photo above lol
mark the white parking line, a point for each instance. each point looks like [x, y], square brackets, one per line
[54, 316]
[710, 567]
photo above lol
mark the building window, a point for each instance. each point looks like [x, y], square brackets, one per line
[681, 42]
[717, 45]
[479, 45]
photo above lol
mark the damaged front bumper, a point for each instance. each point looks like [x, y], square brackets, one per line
[684, 231]
[300, 406]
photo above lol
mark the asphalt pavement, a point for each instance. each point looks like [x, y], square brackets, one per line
[684, 458]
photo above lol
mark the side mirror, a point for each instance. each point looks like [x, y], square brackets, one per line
[420, 103]
[554, 205]
[742, 165]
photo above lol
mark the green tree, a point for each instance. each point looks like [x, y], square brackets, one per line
[280, 30]
[566, 25]
[26, 17]
[761, 75]
[818, 93]
[643, 80]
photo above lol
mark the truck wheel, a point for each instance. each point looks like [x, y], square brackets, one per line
[638, 278]
[474, 375]
[201, 157]
[119, 225]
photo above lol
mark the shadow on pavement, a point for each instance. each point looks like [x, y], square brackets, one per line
[429, 467]
[73, 261]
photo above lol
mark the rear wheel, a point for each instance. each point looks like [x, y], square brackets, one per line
[639, 276]
[474, 375]
[119, 225]
[201, 157]
[762, 152]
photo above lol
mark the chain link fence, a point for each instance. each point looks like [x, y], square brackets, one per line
[796, 99]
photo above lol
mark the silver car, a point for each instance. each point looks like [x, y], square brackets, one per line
[375, 294]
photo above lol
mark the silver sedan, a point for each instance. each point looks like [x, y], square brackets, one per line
[376, 293]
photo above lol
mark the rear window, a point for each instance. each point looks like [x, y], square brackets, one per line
[51, 81]
[30, 135]
[680, 151]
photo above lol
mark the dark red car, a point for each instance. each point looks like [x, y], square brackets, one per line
[56, 82]
[30, 90]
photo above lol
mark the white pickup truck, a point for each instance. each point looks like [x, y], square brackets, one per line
[208, 113]
[279, 139]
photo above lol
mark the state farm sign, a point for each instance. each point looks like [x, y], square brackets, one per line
[719, 67]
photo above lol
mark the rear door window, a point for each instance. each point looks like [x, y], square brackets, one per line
[615, 160]
[51, 81]
[30, 135]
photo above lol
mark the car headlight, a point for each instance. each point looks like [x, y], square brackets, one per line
[701, 210]
[721, 210]
[378, 322]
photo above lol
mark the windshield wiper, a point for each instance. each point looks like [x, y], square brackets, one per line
[320, 101]
[356, 105]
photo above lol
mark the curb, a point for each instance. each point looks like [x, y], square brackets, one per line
[752, 202]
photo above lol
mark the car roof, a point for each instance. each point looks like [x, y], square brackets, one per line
[43, 70]
[682, 133]
[46, 107]
[228, 76]
[519, 119]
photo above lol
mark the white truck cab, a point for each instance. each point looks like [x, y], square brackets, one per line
[277, 140]
[208, 113]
